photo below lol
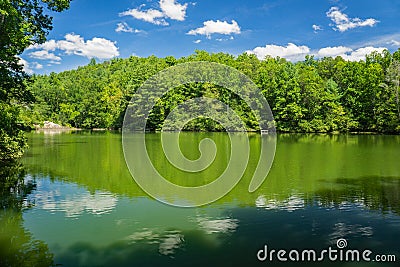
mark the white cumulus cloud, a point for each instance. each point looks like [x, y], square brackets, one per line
[37, 66]
[360, 53]
[169, 9]
[97, 47]
[291, 51]
[123, 27]
[44, 55]
[295, 52]
[75, 44]
[220, 27]
[50, 45]
[316, 28]
[25, 64]
[173, 10]
[348, 53]
[342, 22]
[333, 51]
[151, 15]
[29, 66]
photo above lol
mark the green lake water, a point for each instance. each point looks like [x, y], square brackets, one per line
[84, 208]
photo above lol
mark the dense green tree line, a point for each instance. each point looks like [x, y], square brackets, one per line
[324, 95]
[22, 23]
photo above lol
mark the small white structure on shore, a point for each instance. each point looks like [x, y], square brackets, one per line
[51, 125]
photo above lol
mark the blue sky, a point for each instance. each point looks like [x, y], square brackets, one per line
[104, 29]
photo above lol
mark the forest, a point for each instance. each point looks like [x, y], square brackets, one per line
[315, 95]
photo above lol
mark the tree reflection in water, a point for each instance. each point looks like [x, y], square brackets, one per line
[373, 192]
[17, 246]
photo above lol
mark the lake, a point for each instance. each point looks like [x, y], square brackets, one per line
[84, 209]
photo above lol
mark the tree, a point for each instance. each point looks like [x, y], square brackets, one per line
[22, 23]
[315, 95]
[388, 110]
[393, 78]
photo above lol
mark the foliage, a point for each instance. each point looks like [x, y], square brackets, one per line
[22, 23]
[388, 110]
[325, 95]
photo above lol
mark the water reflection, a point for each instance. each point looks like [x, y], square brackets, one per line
[74, 202]
[18, 247]
[144, 235]
[372, 192]
[168, 243]
[54, 131]
[87, 211]
[223, 226]
[304, 164]
[292, 203]
[349, 231]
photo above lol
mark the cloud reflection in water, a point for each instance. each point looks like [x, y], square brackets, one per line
[168, 242]
[75, 202]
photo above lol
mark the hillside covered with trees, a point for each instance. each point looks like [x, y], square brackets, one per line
[314, 95]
